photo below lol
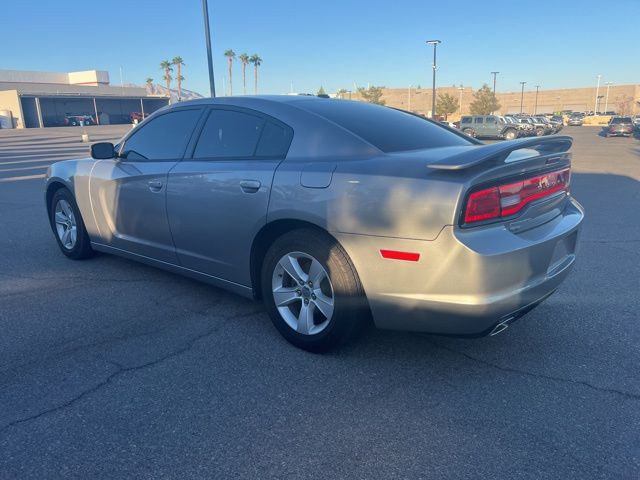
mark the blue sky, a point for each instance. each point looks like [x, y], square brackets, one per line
[332, 43]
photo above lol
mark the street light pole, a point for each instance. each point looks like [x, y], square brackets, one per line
[494, 81]
[606, 101]
[522, 96]
[433, 89]
[595, 106]
[460, 89]
[207, 35]
[535, 109]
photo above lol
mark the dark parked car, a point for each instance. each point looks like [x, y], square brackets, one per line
[549, 127]
[620, 127]
[576, 120]
[73, 120]
[488, 126]
[558, 121]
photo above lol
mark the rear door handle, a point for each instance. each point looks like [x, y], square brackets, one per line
[250, 186]
[155, 185]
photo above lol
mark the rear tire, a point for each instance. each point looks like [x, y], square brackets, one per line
[321, 302]
[510, 134]
[539, 132]
[68, 226]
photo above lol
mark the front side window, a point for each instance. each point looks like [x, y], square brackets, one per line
[162, 138]
[465, 120]
[478, 120]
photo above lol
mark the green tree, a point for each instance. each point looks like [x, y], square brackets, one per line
[179, 63]
[244, 59]
[446, 105]
[149, 83]
[484, 102]
[230, 54]
[165, 65]
[321, 91]
[257, 61]
[372, 94]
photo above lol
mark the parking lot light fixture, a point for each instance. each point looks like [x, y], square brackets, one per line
[535, 109]
[522, 96]
[435, 43]
[595, 106]
[606, 98]
[207, 34]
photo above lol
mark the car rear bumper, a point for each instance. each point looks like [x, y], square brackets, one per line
[466, 281]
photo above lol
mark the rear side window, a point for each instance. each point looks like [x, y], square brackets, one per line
[388, 129]
[275, 141]
[478, 120]
[162, 138]
[229, 133]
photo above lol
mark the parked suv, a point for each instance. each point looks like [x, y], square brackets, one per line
[488, 126]
[620, 127]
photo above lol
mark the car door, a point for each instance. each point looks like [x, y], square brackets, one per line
[478, 126]
[128, 193]
[217, 198]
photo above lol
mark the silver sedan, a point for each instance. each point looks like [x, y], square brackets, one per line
[333, 212]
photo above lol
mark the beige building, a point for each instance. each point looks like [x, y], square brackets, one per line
[46, 99]
[548, 101]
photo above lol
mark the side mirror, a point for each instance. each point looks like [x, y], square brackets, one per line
[102, 151]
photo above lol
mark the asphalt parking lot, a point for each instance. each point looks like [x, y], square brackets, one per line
[111, 369]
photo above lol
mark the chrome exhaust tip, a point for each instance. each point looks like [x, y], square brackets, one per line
[501, 326]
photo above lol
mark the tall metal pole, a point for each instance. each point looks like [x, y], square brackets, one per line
[595, 106]
[606, 101]
[460, 88]
[433, 88]
[535, 109]
[207, 35]
[494, 81]
[522, 96]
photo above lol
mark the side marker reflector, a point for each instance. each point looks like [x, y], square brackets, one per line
[396, 255]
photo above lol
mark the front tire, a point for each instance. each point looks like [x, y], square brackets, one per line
[68, 226]
[510, 134]
[470, 132]
[312, 291]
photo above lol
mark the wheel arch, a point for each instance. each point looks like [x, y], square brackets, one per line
[265, 238]
[52, 187]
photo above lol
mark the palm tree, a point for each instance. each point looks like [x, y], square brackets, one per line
[244, 58]
[166, 66]
[177, 61]
[149, 82]
[257, 61]
[230, 54]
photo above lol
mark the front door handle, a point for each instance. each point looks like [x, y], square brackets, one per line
[155, 185]
[250, 186]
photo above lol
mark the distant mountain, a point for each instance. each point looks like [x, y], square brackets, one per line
[156, 89]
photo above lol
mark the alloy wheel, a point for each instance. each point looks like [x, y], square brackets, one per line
[66, 226]
[303, 293]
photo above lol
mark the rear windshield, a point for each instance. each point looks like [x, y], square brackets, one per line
[388, 129]
[621, 120]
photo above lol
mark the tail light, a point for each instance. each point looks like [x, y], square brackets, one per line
[508, 199]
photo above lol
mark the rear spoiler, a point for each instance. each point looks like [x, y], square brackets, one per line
[495, 151]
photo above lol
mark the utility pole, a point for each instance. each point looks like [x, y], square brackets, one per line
[494, 81]
[535, 109]
[460, 89]
[595, 106]
[435, 43]
[522, 96]
[207, 35]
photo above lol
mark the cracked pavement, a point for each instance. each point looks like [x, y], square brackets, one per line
[112, 369]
